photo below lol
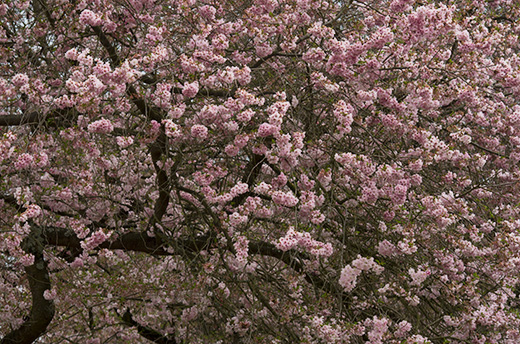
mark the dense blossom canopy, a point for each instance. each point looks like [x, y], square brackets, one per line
[259, 171]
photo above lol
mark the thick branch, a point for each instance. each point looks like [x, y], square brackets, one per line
[55, 118]
[12, 120]
[141, 242]
[42, 6]
[137, 242]
[143, 107]
[42, 310]
[205, 92]
[147, 332]
[157, 149]
[9, 199]
[116, 61]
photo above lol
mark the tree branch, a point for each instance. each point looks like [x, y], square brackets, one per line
[42, 310]
[292, 260]
[141, 242]
[147, 332]
[250, 174]
[116, 61]
[112, 53]
[12, 120]
[157, 149]
[37, 117]
[135, 241]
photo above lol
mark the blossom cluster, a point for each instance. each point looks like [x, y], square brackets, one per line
[241, 247]
[31, 211]
[238, 189]
[171, 129]
[351, 272]
[294, 239]
[102, 126]
[20, 79]
[199, 131]
[87, 17]
[286, 199]
[93, 241]
[190, 90]
[24, 161]
[124, 141]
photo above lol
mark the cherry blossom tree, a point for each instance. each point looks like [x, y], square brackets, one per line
[259, 171]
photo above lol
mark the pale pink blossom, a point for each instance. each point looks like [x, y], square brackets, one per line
[96, 239]
[20, 79]
[24, 161]
[348, 277]
[418, 277]
[27, 260]
[124, 141]
[245, 116]
[50, 294]
[207, 12]
[171, 129]
[236, 219]
[31, 211]
[284, 198]
[304, 241]
[199, 131]
[239, 189]
[386, 248]
[231, 150]
[266, 129]
[87, 17]
[102, 126]
[190, 90]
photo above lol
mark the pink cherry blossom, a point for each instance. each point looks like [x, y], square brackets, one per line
[20, 79]
[171, 129]
[199, 131]
[124, 142]
[102, 126]
[190, 90]
[24, 161]
[266, 129]
[88, 17]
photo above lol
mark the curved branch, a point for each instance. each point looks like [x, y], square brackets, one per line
[157, 149]
[135, 241]
[58, 115]
[143, 107]
[42, 310]
[147, 332]
[251, 172]
[292, 259]
[141, 242]
[116, 61]
[12, 120]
